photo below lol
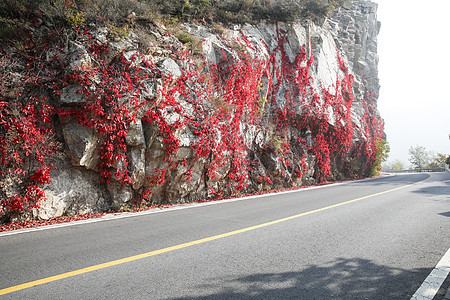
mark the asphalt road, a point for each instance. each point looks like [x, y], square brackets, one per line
[320, 244]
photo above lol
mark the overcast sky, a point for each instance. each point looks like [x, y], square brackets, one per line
[414, 72]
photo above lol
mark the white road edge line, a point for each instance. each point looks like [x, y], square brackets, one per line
[433, 282]
[115, 216]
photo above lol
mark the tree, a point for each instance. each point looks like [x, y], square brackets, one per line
[398, 165]
[437, 161]
[383, 150]
[418, 156]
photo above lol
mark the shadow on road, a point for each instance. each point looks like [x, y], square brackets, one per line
[435, 190]
[445, 214]
[394, 180]
[341, 279]
[440, 186]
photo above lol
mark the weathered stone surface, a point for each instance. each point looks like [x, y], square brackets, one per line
[135, 136]
[184, 153]
[134, 57]
[117, 47]
[355, 31]
[79, 57]
[82, 144]
[148, 90]
[169, 67]
[71, 95]
[73, 190]
[136, 157]
[120, 194]
[186, 137]
[324, 49]
[185, 186]
[215, 50]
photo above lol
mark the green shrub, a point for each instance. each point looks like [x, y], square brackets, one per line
[383, 149]
[118, 32]
[192, 43]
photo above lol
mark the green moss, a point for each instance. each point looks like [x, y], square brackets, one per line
[118, 32]
[192, 43]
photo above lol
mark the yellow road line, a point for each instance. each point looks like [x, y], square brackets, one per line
[184, 245]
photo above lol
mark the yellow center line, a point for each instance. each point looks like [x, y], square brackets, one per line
[184, 245]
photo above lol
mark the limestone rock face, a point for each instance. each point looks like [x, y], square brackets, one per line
[79, 57]
[82, 144]
[71, 95]
[73, 190]
[136, 156]
[162, 152]
[170, 67]
[135, 136]
[355, 30]
[120, 194]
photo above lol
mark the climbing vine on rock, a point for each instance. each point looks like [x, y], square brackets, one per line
[248, 120]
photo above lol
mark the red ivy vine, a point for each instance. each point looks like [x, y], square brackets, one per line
[217, 102]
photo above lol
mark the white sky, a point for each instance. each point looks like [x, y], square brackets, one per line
[414, 72]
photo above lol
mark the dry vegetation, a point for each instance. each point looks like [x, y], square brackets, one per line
[76, 12]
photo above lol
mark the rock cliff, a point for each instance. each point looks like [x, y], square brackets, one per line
[202, 111]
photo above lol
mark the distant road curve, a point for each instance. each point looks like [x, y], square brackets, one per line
[427, 170]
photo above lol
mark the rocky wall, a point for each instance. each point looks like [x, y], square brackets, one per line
[257, 107]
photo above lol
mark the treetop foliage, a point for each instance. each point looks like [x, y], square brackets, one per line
[420, 158]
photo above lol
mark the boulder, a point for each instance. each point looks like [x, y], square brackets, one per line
[79, 59]
[73, 190]
[82, 144]
[136, 164]
[71, 95]
[135, 136]
[169, 67]
[120, 194]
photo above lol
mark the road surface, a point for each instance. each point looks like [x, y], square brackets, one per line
[370, 239]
